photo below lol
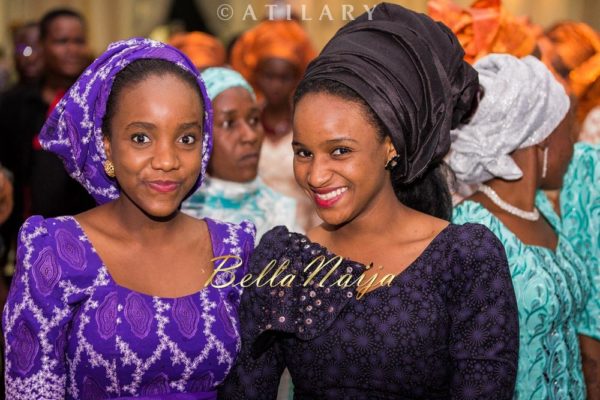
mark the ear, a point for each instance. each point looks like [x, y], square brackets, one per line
[390, 150]
[107, 148]
[542, 145]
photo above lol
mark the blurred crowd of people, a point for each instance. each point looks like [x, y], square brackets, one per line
[554, 70]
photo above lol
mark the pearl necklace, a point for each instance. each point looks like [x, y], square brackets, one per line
[493, 196]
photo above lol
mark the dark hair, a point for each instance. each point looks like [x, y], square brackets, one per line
[138, 71]
[429, 193]
[50, 16]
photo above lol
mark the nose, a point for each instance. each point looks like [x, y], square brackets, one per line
[165, 157]
[249, 134]
[319, 173]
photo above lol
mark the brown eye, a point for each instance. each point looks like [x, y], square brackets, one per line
[140, 138]
[340, 151]
[303, 153]
[188, 139]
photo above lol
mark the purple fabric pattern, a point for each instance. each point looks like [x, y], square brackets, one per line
[74, 129]
[138, 314]
[106, 316]
[186, 315]
[157, 386]
[224, 315]
[46, 271]
[83, 336]
[91, 390]
[26, 347]
[70, 249]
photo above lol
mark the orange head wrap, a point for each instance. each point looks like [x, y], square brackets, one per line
[485, 27]
[577, 46]
[203, 49]
[272, 39]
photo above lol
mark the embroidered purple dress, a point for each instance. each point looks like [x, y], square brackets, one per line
[72, 332]
[447, 327]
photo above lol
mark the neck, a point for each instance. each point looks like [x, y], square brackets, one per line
[520, 193]
[136, 225]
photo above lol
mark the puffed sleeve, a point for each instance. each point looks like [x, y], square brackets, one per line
[484, 326]
[270, 314]
[35, 318]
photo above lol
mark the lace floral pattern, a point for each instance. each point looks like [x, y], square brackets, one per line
[551, 289]
[446, 327]
[73, 333]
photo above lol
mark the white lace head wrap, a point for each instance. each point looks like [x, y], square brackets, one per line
[522, 105]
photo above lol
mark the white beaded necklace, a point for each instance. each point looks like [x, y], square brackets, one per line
[493, 196]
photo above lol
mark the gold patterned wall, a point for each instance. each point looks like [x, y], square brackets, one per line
[110, 20]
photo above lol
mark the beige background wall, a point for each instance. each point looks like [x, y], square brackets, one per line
[111, 20]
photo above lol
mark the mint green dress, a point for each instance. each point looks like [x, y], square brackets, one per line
[552, 289]
[580, 210]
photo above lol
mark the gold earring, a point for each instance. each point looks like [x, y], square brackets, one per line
[109, 168]
[392, 162]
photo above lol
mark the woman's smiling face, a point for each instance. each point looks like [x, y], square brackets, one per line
[155, 143]
[339, 156]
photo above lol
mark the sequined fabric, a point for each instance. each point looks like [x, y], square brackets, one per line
[446, 328]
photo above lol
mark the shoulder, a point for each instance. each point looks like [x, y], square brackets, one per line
[304, 300]
[475, 237]
[37, 229]
[53, 249]
[474, 213]
[584, 167]
[470, 249]
[231, 238]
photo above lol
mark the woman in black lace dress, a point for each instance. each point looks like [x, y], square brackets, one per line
[372, 122]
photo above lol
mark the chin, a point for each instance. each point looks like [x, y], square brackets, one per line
[161, 214]
[333, 218]
[160, 210]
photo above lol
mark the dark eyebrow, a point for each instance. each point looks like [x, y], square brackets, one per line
[330, 141]
[150, 126]
[140, 124]
[344, 139]
[188, 125]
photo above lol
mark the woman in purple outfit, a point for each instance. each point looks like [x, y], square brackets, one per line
[112, 303]
[372, 120]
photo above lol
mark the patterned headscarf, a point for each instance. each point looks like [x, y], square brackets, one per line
[285, 39]
[218, 80]
[522, 105]
[485, 27]
[203, 49]
[410, 70]
[73, 130]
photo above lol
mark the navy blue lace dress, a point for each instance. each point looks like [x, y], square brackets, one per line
[447, 327]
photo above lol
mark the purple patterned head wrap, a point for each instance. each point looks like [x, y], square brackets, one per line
[74, 129]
